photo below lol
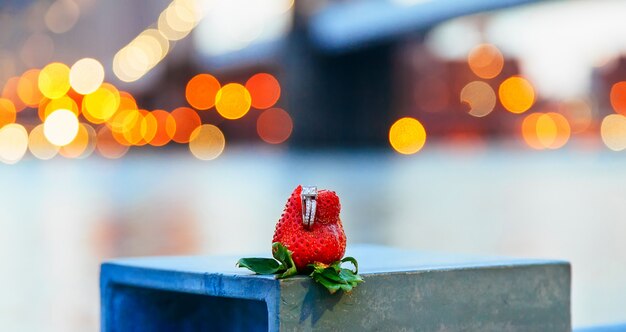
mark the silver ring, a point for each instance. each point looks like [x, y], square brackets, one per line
[308, 197]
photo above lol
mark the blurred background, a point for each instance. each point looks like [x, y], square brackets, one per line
[181, 127]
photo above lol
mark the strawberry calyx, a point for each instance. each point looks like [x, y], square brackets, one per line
[282, 263]
[332, 276]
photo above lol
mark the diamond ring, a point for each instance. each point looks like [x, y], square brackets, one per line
[308, 197]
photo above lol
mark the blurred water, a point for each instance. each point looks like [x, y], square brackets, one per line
[60, 218]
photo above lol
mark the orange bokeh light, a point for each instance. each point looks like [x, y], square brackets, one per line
[108, 146]
[166, 128]
[201, 91]
[27, 88]
[83, 144]
[486, 61]
[407, 135]
[264, 90]
[618, 97]
[148, 127]
[546, 130]
[7, 112]
[516, 94]
[529, 131]
[187, 120]
[10, 92]
[274, 126]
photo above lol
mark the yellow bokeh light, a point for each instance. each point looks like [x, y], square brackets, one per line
[86, 75]
[82, 145]
[39, 146]
[480, 97]
[546, 130]
[64, 102]
[233, 101]
[13, 143]
[485, 61]
[613, 132]
[54, 80]
[516, 94]
[207, 142]
[7, 112]
[101, 104]
[407, 136]
[61, 127]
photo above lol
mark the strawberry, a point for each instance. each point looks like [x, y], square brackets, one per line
[324, 242]
[317, 250]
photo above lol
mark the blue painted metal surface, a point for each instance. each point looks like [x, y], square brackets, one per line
[402, 289]
[346, 25]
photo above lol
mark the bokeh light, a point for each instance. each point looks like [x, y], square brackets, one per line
[101, 104]
[10, 92]
[233, 101]
[61, 127]
[579, 114]
[13, 143]
[148, 127]
[618, 97]
[207, 142]
[86, 75]
[62, 15]
[516, 94]
[546, 130]
[132, 121]
[27, 88]
[480, 97]
[39, 146]
[165, 128]
[179, 18]
[7, 112]
[201, 91]
[187, 120]
[264, 90]
[486, 61]
[47, 106]
[613, 132]
[82, 145]
[54, 80]
[108, 146]
[553, 130]
[274, 126]
[529, 131]
[144, 52]
[407, 135]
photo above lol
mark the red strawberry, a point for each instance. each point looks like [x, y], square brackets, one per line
[324, 242]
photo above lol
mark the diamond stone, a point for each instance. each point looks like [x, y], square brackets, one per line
[309, 191]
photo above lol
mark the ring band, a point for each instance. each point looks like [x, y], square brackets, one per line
[308, 197]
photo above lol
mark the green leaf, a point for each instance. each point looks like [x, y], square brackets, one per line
[283, 255]
[261, 265]
[334, 277]
[353, 261]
